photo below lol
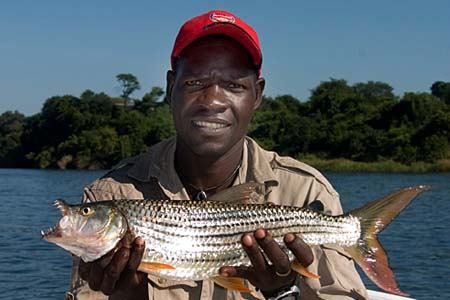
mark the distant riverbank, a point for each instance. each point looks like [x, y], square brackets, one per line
[344, 165]
[387, 166]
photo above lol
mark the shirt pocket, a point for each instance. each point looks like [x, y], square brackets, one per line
[161, 288]
[338, 276]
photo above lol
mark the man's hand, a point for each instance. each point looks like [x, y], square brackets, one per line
[270, 278]
[116, 272]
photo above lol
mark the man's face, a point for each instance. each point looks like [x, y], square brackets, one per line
[213, 94]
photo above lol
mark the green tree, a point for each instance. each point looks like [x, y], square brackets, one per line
[150, 100]
[129, 83]
[281, 124]
[332, 97]
[11, 128]
[441, 90]
[90, 149]
[161, 124]
[411, 121]
[373, 90]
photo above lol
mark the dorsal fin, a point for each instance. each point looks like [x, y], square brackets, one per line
[249, 192]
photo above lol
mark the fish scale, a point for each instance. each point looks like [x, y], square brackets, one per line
[197, 238]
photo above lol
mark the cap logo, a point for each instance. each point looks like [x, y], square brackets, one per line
[221, 18]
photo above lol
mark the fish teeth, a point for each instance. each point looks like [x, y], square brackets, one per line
[48, 231]
[61, 205]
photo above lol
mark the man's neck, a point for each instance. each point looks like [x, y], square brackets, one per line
[207, 173]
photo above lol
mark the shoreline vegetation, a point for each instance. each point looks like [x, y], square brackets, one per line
[363, 127]
[387, 166]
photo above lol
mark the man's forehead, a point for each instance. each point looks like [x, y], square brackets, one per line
[224, 73]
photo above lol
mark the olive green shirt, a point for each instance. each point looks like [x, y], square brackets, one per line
[287, 181]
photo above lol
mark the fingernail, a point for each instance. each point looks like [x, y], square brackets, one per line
[139, 241]
[289, 238]
[260, 234]
[247, 240]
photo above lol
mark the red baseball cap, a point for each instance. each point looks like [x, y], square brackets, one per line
[218, 22]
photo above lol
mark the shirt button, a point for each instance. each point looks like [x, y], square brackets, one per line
[162, 280]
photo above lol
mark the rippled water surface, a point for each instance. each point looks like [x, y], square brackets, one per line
[417, 242]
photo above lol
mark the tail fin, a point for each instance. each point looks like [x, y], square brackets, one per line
[368, 252]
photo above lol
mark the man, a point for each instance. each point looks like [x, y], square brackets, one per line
[213, 89]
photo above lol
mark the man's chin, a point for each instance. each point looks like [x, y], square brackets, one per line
[212, 147]
[209, 149]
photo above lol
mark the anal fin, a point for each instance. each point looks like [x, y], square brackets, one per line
[302, 270]
[154, 266]
[231, 283]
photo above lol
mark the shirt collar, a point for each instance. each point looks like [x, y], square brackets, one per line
[158, 163]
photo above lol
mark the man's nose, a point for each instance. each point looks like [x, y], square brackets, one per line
[213, 98]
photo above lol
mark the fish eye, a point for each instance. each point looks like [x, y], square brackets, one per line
[86, 211]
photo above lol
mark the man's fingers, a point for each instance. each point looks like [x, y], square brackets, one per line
[137, 251]
[114, 270]
[242, 271]
[273, 251]
[129, 276]
[84, 269]
[255, 255]
[105, 260]
[300, 249]
[95, 277]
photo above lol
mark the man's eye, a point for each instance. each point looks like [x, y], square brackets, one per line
[194, 83]
[233, 85]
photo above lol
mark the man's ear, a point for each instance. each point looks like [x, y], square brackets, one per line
[260, 84]
[170, 80]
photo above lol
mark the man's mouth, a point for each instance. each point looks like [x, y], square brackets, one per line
[210, 125]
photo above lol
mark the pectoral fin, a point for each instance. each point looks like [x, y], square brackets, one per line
[302, 270]
[154, 266]
[232, 283]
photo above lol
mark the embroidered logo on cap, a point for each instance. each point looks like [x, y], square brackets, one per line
[215, 17]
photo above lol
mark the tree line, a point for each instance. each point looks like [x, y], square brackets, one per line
[362, 122]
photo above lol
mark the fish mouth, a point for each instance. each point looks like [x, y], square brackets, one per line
[51, 233]
[55, 231]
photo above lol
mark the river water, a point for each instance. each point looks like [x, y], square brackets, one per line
[417, 242]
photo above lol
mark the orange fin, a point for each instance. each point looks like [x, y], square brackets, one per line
[231, 283]
[368, 252]
[302, 270]
[154, 266]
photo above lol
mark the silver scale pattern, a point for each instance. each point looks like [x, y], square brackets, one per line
[198, 237]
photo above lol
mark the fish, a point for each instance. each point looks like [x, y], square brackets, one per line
[191, 240]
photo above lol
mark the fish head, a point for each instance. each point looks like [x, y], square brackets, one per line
[88, 230]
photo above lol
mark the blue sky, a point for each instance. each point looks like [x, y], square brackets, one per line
[56, 47]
